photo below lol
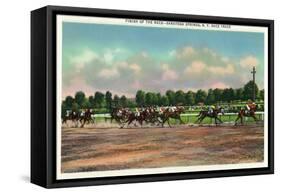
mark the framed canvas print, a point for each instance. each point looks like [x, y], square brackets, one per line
[126, 96]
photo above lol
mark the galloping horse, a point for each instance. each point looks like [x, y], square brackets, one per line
[86, 117]
[204, 113]
[167, 114]
[139, 117]
[72, 116]
[119, 115]
[247, 113]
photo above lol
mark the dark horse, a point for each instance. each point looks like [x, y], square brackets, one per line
[244, 113]
[138, 117]
[86, 117]
[204, 113]
[119, 115]
[72, 116]
[167, 114]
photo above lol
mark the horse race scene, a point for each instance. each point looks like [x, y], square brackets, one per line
[137, 97]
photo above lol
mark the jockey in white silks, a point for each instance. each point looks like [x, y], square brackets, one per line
[119, 113]
[172, 108]
[211, 109]
[137, 112]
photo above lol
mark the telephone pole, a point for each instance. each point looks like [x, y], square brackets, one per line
[254, 82]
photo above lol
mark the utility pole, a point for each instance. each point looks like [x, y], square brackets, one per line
[254, 81]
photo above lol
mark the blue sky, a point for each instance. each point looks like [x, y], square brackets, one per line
[157, 59]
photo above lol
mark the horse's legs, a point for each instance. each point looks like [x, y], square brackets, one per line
[201, 119]
[255, 118]
[181, 121]
[238, 117]
[219, 119]
[169, 122]
[216, 121]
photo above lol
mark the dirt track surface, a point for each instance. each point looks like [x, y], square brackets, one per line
[98, 149]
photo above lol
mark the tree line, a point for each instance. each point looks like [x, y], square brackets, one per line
[171, 98]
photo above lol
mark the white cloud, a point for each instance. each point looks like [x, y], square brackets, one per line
[199, 67]
[108, 73]
[135, 68]
[217, 70]
[168, 74]
[85, 57]
[188, 51]
[77, 83]
[249, 62]
[108, 57]
[219, 85]
[196, 67]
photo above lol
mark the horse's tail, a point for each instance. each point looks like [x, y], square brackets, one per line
[200, 113]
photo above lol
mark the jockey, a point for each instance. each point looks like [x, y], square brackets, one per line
[137, 112]
[250, 106]
[172, 108]
[119, 112]
[211, 109]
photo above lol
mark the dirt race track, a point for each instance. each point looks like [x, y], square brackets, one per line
[97, 149]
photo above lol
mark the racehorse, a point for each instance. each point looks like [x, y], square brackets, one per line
[214, 114]
[72, 116]
[168, 113]
[119, 115]
[86, 117]
[246, 113]
[139, 117]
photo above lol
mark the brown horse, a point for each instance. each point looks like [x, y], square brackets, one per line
[168, 113]
[119, 115]
[204, 113]
[246, 113]
[86, 117]
[138, 117]
[72, 116]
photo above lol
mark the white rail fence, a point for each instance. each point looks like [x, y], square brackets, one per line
[228, 117]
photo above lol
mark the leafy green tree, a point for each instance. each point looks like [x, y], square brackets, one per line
[171, 96]
[218, 95]
[158, 102]
[86, 104]
[69, 100]
[200, 96]
[211, 97]
[228, 94]
[75, 107]
[239, 94]
[149, 99]
[164, 100]
[92, 101]
[190, 98]
[180, 97]
[79, 98]
[108, 100]
[261, 96]
[99, 99]
[140, 98]
[249, 89]
[63, 108]
[116, 101]
[131, 103]
[123, 101]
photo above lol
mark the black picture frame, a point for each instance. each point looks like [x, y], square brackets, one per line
[43, 96]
